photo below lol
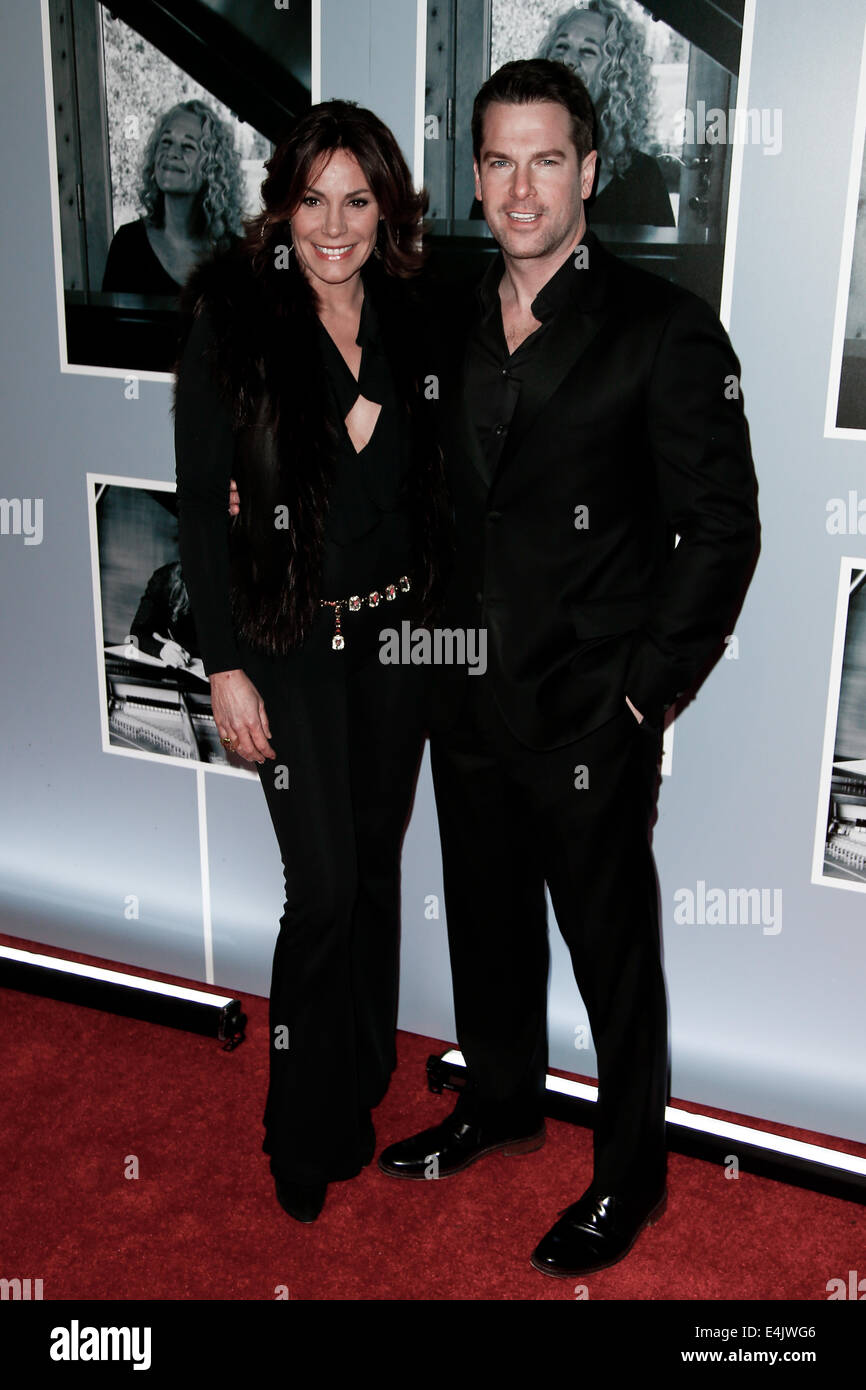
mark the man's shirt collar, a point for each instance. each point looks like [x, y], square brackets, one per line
[567, 284]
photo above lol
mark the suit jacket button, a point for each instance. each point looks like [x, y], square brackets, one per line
[479, 598]
[494, 516]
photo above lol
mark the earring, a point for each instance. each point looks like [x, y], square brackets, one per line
[267, 223]
[376, 249]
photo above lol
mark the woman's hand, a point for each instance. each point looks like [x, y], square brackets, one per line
[239, 712]
[637, 714]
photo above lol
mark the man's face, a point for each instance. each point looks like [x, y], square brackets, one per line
[529, 180]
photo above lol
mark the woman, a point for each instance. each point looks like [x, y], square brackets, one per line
[306, 375]
[606, 49]
[192, 187]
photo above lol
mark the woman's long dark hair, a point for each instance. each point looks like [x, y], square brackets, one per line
[330, 126]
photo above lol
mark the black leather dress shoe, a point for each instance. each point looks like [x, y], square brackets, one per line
[595, 1232]
[451, 1146]
[303, 1201]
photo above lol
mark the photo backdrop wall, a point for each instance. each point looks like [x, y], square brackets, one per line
[170, 867]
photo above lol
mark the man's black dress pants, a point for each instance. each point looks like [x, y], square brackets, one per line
[577, 818]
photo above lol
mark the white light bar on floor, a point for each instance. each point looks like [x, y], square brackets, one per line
[116, 991]
[720, 1129]
[116, 977]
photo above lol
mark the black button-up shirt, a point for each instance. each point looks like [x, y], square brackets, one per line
[493, 375]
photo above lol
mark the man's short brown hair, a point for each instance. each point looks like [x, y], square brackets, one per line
[538, 79]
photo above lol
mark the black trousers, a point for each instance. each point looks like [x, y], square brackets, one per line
[348, 734]
[577, 818]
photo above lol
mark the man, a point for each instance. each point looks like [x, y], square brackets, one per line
[596, 416]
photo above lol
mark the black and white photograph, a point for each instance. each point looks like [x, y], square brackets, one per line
[160, 117]
[846, 397]
[665, 84]
[154, 694]
[840, 836]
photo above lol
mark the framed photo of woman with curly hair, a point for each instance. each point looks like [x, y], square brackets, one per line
[665, 82]
[161, 117]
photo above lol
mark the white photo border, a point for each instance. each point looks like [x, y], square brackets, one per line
[735, 185]
[858, 153]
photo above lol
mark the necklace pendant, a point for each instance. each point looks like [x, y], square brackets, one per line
[338, 642]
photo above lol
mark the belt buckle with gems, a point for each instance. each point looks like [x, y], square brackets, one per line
[355, 602]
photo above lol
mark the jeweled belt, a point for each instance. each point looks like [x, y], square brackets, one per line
[358, 601]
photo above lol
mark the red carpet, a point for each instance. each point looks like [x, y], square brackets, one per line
[83, 1090]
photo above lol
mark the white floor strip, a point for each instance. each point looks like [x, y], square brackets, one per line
[724, 1129]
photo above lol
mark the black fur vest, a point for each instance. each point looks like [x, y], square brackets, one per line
[268, 369]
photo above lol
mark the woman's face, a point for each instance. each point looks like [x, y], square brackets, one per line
[334, 229]
[178, 160]
[579, 46]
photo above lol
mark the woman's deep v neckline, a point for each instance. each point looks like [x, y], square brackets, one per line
[366, 404]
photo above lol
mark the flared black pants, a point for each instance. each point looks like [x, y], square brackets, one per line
[348, 734]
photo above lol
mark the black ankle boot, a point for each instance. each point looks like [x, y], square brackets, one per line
[303, 1201]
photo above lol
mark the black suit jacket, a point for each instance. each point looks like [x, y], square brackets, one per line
[639, 420]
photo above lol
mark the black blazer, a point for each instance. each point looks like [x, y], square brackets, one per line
[640, 421]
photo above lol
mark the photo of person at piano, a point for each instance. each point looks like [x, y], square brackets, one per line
[163, 625]
[191, 191]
